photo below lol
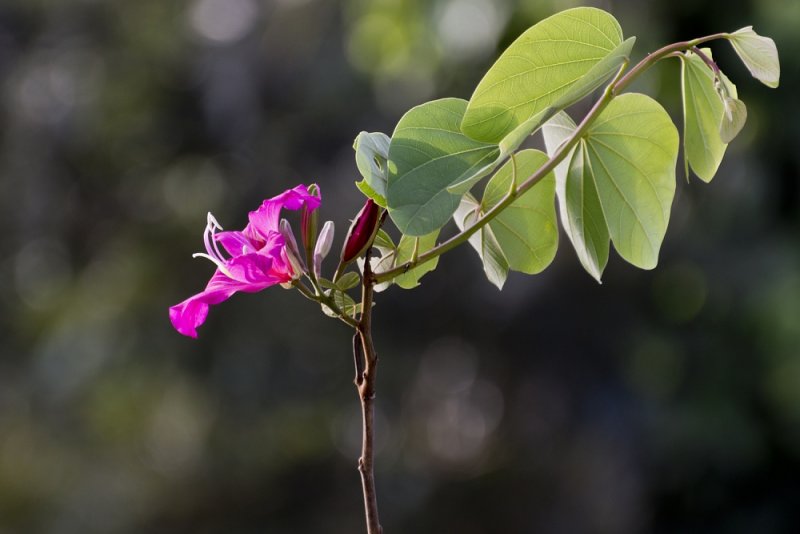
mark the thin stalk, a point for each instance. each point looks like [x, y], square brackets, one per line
[619, 83]
[327, 301]
[710, 63]
[366, 368]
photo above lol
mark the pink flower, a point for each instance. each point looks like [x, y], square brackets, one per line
[259, 258]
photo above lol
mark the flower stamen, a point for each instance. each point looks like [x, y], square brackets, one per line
[213, 253]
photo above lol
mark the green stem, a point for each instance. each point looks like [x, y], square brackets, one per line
[661, 53]
[619, 83]
[327, 301]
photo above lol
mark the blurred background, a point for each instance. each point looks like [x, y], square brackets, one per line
[662, 401]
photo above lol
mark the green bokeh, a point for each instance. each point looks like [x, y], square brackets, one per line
[661, 401]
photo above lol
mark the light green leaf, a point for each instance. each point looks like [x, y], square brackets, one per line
[428, 153]
[348, 280]
[483, 241]
[593, 79]
[578, 201]
[526, 231]
[364, 187]
[627, 159]
[406, 250]
[383, 240]
[372, 153]
[382, 258]
[599, 73]
[702, 115]
[733, 119]
[759, 54]
[459, 188]
[344, 302]
[554, 63]
[514, 139]
[632, 150]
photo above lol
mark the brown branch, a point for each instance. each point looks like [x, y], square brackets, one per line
[365, 384]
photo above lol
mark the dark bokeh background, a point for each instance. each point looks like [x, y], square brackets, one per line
[664, 401]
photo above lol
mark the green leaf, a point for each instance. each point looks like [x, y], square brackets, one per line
[348, 280]
[459, 188]
[344, 302]
[578, 201]
[759, 54]
[372, 153]
[553, 64]
[526, 231]
[626, 164]
[483, 241]
[733, 119]
[406, 250]
[382, 258]
[428, 153]
[364, 187]
[383, 240]
[702, 115]
[514, 139]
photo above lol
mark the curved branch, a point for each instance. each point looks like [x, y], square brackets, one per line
[619, 83]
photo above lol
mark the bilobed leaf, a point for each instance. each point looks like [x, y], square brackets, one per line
[383, 240]
[495, 264]
[382, 257]
[364, 187]
[372, 153]
[733, 119]
[459, 188]
[632, 150]
[554, 63]
[526, 231]
[702, 115]
[344, 302]
[759, 54]
[405, 251]
[599, 73]
[347, 281]
[628, 158]
[590, 81]
[428, 153]
[578, 201]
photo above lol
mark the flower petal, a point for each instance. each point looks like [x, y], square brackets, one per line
[266, 218]
[237, 243]
[252, 273]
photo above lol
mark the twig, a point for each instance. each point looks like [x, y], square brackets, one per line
[365, 384]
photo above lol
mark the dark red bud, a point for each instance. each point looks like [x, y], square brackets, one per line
[361, 231]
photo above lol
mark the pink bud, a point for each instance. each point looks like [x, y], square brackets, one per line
[323, 246]
[292, 252]
[361, 230]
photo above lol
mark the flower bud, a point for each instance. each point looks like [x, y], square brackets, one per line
[360, 234]
[323, 246]
[308, 226]
[292, 252]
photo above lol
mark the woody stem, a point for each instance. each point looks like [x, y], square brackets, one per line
[366, 360]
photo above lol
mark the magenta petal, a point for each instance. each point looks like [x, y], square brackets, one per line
[237, 243]
[253, 272]
[258, 259]
[192, 312]
[266, 218]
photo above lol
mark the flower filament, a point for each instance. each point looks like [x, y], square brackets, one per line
[213, 253]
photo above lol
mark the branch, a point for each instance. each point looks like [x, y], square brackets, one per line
[613, 89]
[365, 384]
